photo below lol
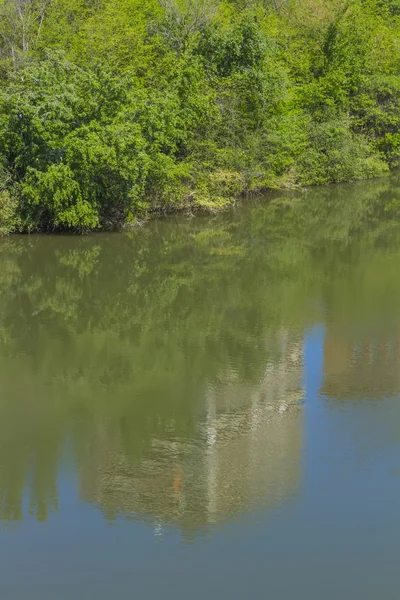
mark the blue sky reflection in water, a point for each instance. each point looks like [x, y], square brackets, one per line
[205, 407]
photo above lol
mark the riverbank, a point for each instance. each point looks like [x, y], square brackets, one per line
[193, 204]
[189, 206]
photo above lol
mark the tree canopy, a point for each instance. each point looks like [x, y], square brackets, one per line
[112, 108]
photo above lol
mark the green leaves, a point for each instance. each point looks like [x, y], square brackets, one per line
[53, 198]
[126, 106]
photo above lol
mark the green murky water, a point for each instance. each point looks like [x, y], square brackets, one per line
[205, 407]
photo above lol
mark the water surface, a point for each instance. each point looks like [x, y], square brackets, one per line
[205, 407]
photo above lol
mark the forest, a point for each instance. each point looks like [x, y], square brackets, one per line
[113, 109]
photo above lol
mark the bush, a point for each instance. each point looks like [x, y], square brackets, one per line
[336, 154]
[8, 212]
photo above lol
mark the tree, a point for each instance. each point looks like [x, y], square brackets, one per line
[22, 25]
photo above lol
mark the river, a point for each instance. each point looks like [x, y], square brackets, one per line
[205, 407]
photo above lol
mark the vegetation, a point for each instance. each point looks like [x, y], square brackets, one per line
[112, 108]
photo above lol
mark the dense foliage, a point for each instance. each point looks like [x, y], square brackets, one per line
[112, 108]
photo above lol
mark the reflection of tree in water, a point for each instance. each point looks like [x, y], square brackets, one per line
[361, 388]
[30, 443]
[245, 452]
[118, 343]
[363, 365]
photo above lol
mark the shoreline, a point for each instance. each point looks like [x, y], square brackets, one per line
[194, 209]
